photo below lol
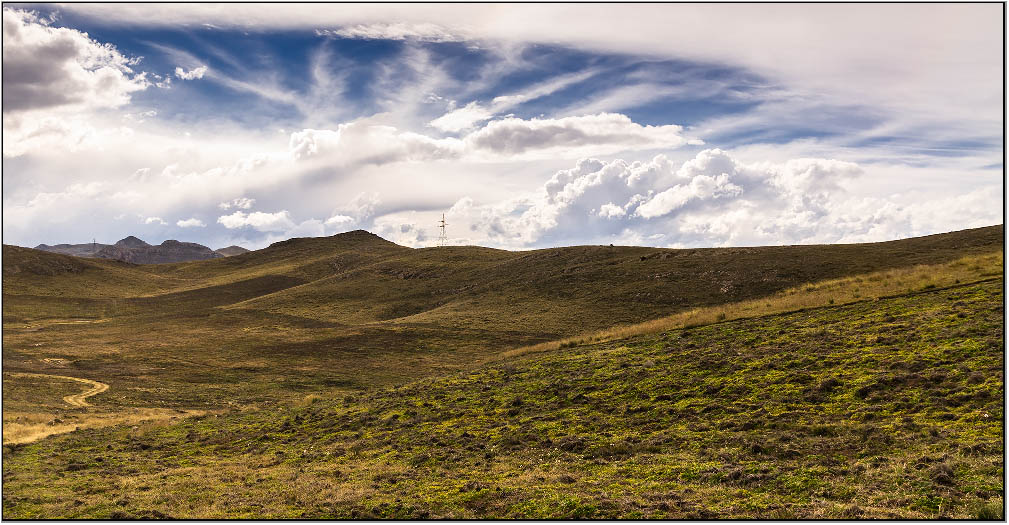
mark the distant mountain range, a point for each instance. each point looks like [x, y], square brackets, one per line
[134, 250]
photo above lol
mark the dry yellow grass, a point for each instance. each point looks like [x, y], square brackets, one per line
[846, 290]
[22, 425]
[76, 400]
[25, 427]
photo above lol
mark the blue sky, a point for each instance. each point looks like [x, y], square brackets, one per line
[528, 125]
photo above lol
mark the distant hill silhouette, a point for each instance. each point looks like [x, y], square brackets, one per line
[78, 250]
[233, 250]
[134, 250]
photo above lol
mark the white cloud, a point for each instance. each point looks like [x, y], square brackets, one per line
[192, 74]
[461, 118]
[191, 223]
[55, 81]
[611, 211]
[712, 199]
[140, 116]
[362, 142]
[473, 113]
[340, 220]
[51, 67]
[700, 187]
[902, 61]
[242, 203]
[264, 222]
[155, 220]
[424, 32]
[162, 82]
[600, 134]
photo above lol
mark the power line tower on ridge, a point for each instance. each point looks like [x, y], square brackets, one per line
[442, 239]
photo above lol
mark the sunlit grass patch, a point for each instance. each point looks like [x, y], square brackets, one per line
[825, 293]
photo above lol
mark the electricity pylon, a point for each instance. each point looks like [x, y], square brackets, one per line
[442, 239]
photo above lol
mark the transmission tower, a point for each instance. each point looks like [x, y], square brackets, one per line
[442, 239]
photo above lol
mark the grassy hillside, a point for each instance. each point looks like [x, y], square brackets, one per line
[878, 409]
[562, 291]
[353, 311]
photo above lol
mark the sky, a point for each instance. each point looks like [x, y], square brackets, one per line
[526, 125]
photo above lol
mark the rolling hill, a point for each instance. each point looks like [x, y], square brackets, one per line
[879, 409]
[348, 376]
[354, 311]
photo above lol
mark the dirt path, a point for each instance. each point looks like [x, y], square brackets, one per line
[25, 426]
[77, 400]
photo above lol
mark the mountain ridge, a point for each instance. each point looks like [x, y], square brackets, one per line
[134, 250]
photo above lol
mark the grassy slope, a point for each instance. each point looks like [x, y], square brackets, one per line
[889, 409]
[562, 291]
[354, 311]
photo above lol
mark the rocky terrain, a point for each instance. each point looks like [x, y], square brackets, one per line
[134, 250]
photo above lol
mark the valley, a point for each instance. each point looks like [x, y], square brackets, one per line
[354, 342]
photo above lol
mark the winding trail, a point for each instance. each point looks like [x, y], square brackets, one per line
[77, 400]
[35, 425]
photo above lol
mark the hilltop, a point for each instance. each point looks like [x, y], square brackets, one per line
[232, 250]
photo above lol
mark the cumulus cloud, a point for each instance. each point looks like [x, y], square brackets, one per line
[155, 220]
[504, 165]
[700, 187]
[340, 221]
[264, 222]
[192, 74]
[711, 198]
[190, 223]
[47, 67]
[611, 211]
[53, 78]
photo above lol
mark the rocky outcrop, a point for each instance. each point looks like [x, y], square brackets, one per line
[131, 242]
[134, 250]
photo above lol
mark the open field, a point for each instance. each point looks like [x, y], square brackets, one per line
[431, 382]
[886, 409]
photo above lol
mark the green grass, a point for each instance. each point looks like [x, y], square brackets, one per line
[350, 377]
[886, 409]
[351, 312]
[864, 287]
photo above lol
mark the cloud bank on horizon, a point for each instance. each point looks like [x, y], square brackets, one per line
[527, 125]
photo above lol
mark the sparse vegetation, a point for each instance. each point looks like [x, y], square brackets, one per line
[350, 377]
[887, 409]
[872, 286]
